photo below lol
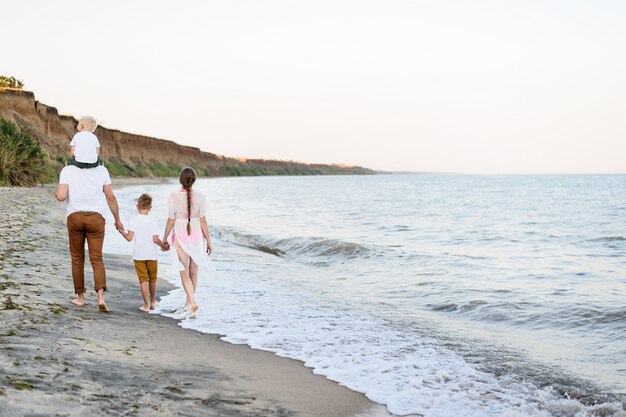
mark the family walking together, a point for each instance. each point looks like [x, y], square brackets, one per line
[86, 186]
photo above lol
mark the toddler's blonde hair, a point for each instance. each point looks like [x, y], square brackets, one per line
[89, 123]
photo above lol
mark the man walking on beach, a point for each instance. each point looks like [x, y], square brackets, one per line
[86, 191]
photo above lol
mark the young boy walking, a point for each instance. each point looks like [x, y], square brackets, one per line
[144, 230]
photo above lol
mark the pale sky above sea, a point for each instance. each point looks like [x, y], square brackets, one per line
[476, 86]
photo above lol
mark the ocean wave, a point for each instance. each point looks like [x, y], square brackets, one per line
[608, 239]
[534, 315]
[313, 250]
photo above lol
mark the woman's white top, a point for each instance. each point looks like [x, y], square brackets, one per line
[178, 205]
[193, 244]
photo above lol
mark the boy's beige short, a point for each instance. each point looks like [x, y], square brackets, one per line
[146, 270]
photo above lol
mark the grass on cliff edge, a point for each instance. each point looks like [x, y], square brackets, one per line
[22, 162]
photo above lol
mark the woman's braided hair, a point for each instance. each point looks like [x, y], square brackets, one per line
[187, 178]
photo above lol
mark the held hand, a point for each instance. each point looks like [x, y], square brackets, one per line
[165, 246]
[119, 226]
[209, 248]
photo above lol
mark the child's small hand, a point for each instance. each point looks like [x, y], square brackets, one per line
[165, 246]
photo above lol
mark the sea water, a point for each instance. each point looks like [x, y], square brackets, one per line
[435, 295]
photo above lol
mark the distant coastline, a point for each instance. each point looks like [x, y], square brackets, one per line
[131, 155]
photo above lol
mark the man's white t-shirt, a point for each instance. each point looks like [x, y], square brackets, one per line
[85, 144]
[145, 227]
[86, 188]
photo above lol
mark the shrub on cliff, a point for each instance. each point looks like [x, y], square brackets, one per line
[10, 82]
[22, 162]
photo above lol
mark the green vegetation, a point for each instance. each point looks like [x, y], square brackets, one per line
[6, 285]
[22, 162]
[295, 169]
[252, 171]
[21, 385]
[160, 170]
[10, 82]
[119, 170]
[56, 308]
[202, 172]
[9, 304]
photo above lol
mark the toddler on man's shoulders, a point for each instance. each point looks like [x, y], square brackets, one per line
[85, 147]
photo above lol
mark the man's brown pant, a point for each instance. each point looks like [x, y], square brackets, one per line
[80, 226]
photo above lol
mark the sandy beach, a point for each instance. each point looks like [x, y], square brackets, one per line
[59, 360]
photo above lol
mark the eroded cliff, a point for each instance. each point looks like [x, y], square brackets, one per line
[137, 155]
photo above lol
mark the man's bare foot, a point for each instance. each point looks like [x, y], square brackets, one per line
[78, 303]
[102, 307]
[145, 309]
[153, 305]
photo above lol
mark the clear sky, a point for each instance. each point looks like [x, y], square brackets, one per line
[431, 85]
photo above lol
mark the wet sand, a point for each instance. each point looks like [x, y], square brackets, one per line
[56, 359]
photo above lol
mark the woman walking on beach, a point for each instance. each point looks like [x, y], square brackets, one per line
[190, 237]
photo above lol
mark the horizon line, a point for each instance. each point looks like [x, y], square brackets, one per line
[405, 172]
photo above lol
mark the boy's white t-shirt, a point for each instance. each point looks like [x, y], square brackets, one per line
[86, 189]
[85, 144]
[145, 227]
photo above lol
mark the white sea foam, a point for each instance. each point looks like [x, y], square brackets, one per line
[407, 374]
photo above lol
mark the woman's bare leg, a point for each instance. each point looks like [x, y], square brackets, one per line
[184, 276]
[193, 274]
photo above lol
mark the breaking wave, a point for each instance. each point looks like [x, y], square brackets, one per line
[312, 250]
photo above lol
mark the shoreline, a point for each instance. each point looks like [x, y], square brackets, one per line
[58, 359]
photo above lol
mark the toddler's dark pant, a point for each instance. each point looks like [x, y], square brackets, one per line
[80, 226]
[84, 165]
